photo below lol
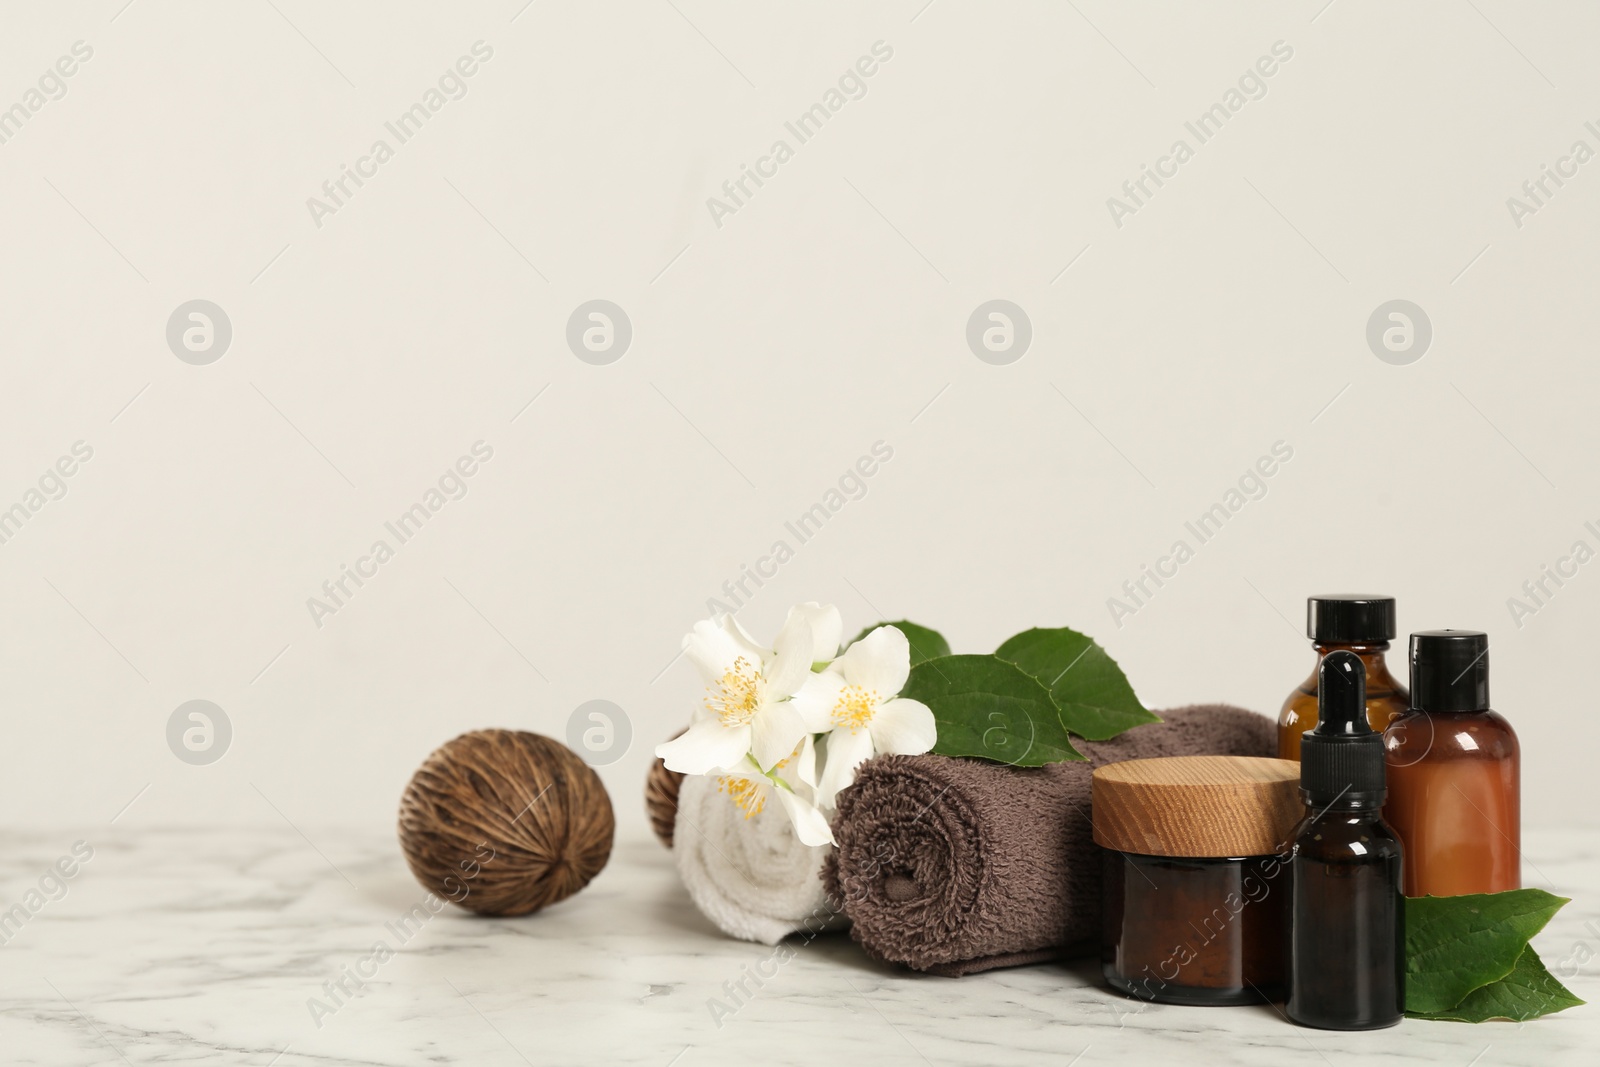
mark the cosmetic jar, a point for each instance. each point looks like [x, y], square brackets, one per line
[1196, 892]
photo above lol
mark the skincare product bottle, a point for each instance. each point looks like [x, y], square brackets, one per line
[1351, 623]
[1347, 958]
[1454, 773]
[1196, 880]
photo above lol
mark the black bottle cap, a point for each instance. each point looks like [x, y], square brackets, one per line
[1450, 670]
[1350, 618]
[1341, 759]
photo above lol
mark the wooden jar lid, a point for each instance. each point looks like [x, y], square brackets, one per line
[1197, 806]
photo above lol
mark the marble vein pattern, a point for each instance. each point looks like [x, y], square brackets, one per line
[262, 947]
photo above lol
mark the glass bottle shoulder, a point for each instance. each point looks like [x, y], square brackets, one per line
[1386, 697]
[1448, 735]
[1345, 837]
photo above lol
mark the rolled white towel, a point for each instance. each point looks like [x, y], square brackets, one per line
[752, 877]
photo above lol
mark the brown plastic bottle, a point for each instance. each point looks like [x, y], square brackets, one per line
[1353, 623]
[1454, 773]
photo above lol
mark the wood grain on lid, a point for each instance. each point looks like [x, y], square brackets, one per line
[1197, 806]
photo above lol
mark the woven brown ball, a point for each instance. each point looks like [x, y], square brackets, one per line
[661, 800]
[504, 822]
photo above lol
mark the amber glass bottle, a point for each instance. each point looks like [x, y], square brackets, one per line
[1454, 773]
[1347, 928]
[1353, 623]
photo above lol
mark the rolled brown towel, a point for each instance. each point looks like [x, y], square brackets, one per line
[955, 866]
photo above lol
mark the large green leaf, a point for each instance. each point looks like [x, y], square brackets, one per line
[1455, 945]
[1093, 694]
[992, 709]
[1528, 992]
[925, 643]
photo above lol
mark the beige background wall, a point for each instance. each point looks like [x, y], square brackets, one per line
[373, 345]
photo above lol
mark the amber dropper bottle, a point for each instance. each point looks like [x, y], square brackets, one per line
[1349, 622]
[1347, 928]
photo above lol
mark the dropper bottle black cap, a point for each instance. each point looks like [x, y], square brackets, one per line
[1341, 760]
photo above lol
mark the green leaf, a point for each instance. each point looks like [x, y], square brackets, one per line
[992, 709]
[925, 643]
[1528, 992]
[1455, 945]
[1093, 694]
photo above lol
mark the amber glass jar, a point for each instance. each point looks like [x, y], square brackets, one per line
[1196, 931]
[1354, 623]
[1196, 885]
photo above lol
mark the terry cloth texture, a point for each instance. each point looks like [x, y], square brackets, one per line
[752, 877]
[955, 866]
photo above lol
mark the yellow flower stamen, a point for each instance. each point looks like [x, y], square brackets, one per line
[855, 707]
[745, 793]
[736, 695]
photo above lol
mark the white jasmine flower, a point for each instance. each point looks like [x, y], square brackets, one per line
[792, 780]
[746, 711]
[856, 701]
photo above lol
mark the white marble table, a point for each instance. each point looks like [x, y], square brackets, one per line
[175, 946]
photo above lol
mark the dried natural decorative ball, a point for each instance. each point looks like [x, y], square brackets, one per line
[504, 822]
[661, 799]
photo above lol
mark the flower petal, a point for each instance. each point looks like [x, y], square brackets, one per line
[708, 745]
[904, 727]
[805, 764]
[737, 631]
[743, 769]
[846, 752]
[713, 647]
[827, 628]
[810, 825]
[791, 661]
[816, 698]
[775, 731]
[880, 661]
